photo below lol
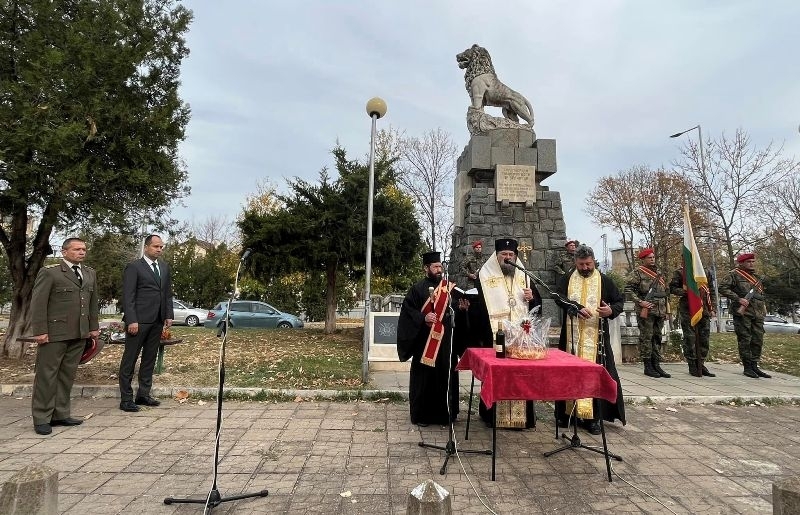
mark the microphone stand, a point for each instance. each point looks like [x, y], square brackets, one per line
[450, 448]
[572, 311]
[214, 499]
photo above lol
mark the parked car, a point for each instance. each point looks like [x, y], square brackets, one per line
[772, 324]
[251, 313]
[185, 314]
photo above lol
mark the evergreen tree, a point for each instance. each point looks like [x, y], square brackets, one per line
[90, 119]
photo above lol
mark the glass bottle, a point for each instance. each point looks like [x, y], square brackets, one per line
[500, 342]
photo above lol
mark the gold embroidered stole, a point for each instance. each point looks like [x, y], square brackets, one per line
[586, 291]
[499, 292]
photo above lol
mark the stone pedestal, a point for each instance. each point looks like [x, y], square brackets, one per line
[786, 496]
[31, 491]
[532, 215]
[429, 498]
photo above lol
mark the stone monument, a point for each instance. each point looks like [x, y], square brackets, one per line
[498, 186]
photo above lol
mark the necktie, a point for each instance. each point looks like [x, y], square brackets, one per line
[78, 274]
[155, 271]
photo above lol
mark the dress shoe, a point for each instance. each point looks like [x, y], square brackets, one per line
[69, 421]
[147, 401]
[128, 406]
[42, 429]
[707, 372]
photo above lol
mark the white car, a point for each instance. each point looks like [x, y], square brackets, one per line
[185, 314]
[772, 324]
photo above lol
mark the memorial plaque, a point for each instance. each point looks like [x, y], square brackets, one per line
[384, 327]
[515, 183]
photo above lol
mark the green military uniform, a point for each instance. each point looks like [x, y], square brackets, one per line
[565, 264]
[695, 339]
[637, 286]
[749, 326]
[472, 265]
[66, 309]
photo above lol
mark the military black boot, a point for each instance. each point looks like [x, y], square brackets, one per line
[748, 370]
[657, 368]
[693, 369]
[706, 372]
[649, 371]
[760, 372]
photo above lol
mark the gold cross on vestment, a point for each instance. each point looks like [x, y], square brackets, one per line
[524, 248]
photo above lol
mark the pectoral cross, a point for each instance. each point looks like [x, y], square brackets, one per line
[525, 248]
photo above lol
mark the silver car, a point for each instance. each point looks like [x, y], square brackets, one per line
[185, 314]
[772, 324]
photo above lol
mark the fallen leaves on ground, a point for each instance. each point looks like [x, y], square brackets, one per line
[254, 358]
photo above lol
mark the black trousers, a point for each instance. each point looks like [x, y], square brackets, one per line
[146, 342]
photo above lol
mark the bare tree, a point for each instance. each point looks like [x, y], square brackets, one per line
[781, 218]
[426, 170]
[734, 181]
[217, 229]
[648, 204]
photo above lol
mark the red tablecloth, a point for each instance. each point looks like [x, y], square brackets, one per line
[560, 376]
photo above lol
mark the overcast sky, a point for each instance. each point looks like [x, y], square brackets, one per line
[274, 85]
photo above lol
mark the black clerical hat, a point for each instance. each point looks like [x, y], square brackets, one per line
[431, 257]
[505, 244]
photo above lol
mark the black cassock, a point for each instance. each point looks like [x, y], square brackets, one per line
[610, 294]
[427, 387]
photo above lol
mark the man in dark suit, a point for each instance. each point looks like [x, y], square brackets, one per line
[64, 313]
[147, 306]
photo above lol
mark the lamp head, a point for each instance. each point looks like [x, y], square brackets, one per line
[376, 107]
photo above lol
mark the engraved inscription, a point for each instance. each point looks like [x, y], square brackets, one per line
[515, 183]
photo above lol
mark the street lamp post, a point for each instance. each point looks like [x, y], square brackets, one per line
[713, 250]
[376, 108]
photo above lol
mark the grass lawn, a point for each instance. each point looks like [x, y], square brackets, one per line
[781, 352]
[310, 359]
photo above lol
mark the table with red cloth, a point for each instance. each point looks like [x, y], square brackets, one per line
[558, 377]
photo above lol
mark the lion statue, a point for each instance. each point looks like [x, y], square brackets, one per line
[485, 89]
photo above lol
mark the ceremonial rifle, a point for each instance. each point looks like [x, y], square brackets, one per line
[652, 294]
[747, 297]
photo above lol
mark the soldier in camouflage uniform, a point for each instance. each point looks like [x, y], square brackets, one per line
[567, 261]
[472, 264]
[644, 279]
[694, 338]
[740, 283]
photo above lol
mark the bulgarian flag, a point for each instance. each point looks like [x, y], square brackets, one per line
[694, 276]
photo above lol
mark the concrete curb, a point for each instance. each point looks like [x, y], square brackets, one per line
[260, 394]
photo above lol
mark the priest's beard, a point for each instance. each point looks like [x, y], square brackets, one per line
[434, 276]
[586, 273]
[507, 269]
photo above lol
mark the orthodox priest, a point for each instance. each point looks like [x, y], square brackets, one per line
[594, 300]
[507, 294]
[424, 335]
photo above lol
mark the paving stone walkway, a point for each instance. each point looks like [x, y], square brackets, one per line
[682, 454]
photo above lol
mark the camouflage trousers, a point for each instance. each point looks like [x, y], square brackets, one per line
[750, 337]
[650, 336]
[701, 332]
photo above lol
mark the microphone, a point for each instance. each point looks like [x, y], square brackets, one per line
[246, 254]
[509, 262]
